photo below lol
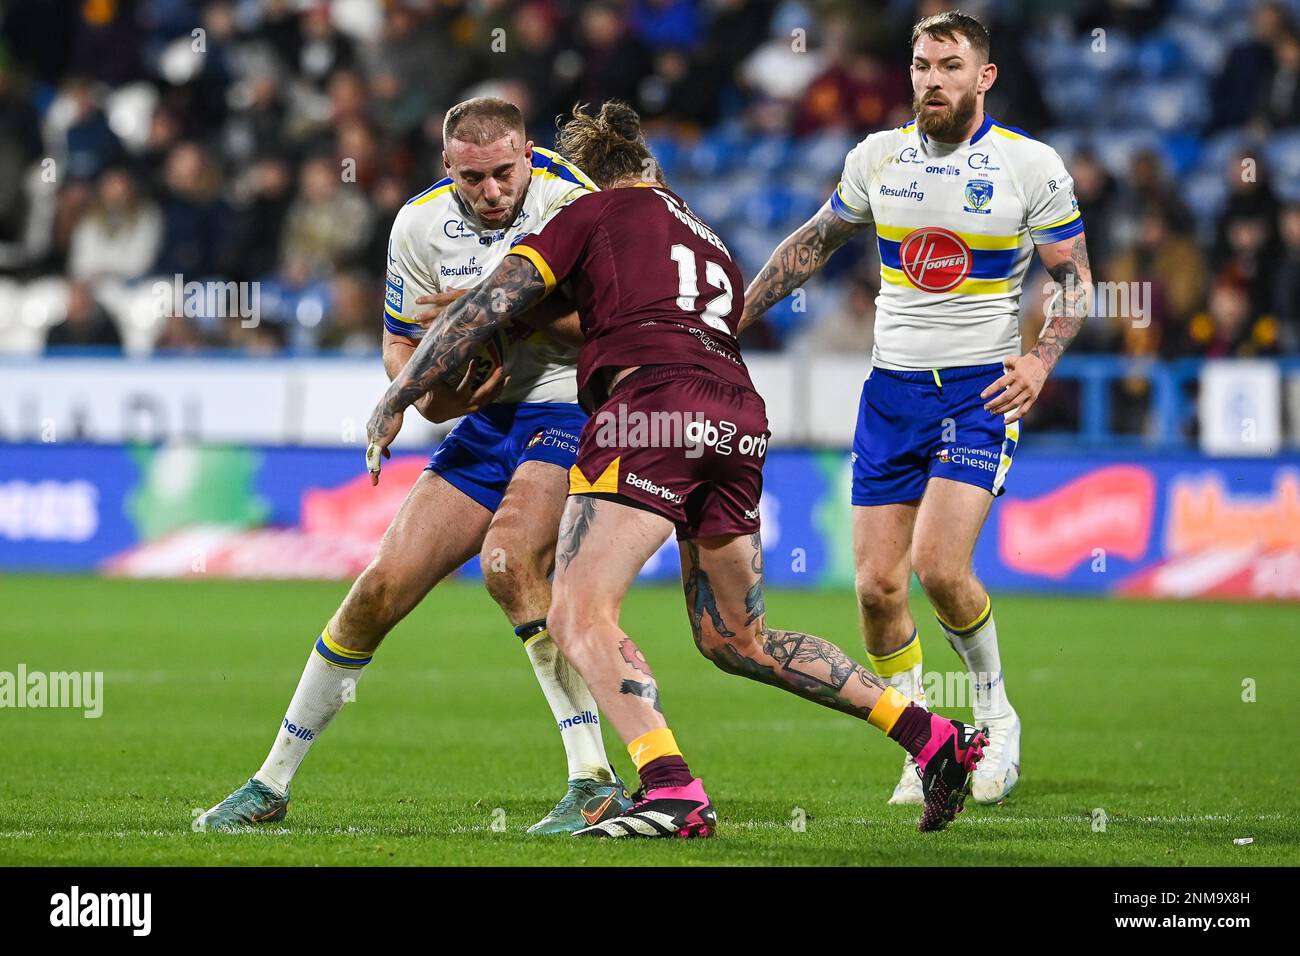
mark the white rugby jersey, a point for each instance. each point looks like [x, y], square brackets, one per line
[956, 225]
[435, 247]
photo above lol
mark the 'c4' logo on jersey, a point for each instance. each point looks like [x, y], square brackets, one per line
[456, 229]
[934, 259]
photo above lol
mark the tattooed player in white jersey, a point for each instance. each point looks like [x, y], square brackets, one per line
[496, 485]
[960, 204]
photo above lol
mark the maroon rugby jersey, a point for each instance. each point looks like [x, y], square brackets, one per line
[653, 285]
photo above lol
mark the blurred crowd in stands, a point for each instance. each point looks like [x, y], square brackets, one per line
[272, 141]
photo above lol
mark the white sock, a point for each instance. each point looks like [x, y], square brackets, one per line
[908, 683]
[328, 682]
[571, 703]
[977, 646]
[901, 669]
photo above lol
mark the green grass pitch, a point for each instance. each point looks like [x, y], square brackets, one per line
[1132, 708]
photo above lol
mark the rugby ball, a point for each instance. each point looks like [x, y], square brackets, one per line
[488, 357]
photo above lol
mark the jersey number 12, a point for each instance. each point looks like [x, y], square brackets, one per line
[688, 287]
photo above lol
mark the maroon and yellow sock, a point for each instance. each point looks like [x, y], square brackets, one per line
[659, 762]
[901, 720]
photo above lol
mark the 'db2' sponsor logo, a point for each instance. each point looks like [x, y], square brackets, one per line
[703, 432]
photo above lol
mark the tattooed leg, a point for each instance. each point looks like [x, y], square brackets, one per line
[603, 546]
[723, 582]
[574, 525]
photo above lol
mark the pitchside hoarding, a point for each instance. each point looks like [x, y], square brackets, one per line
[1173, 526]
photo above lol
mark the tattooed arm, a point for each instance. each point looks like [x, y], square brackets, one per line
[497, 303]
[794, 261]
[1067, 263]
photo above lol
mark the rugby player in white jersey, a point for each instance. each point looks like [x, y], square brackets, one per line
[960, 203]
[496, 485]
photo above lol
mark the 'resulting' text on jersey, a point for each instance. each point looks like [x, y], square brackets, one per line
[956, 225]
[436, 246]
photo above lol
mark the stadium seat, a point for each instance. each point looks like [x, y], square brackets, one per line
[1202, 50]
[130, 111]
[778, 206]
[751, 247]
[139, 312]
[766, 208]
[1115, 59]
[45, 302]
[1282, 152]
[1116, 150]
[36, 306]
[1205, 192]
[1288, 190]
[1217, 149]
[814, 183]
[1209, 13]
[1175, 105]
[1225, 16]
[715, 206]
[15, 339]
[714, 155]
[1182, 153]
[1076, 95]
[1065, 140]
[668, 150]
[1046, 51]
[770, 155]
[822, 155]
[1158, 56]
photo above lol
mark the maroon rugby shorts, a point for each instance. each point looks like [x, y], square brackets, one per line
[679, 442]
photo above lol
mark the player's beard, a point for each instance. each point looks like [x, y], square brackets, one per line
[948, 126]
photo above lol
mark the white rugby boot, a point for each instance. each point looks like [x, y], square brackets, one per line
[908, 793]
[999, 772]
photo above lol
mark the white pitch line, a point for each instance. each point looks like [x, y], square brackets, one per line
[461, 828]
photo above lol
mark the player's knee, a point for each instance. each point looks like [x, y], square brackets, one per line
[503, 581]
[879, 591]
[375, 599]
[510, 574]
[727, 653]
[573, 619]
[939, 575]
[710, 644]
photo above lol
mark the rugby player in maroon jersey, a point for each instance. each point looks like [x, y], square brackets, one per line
[660, 298]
